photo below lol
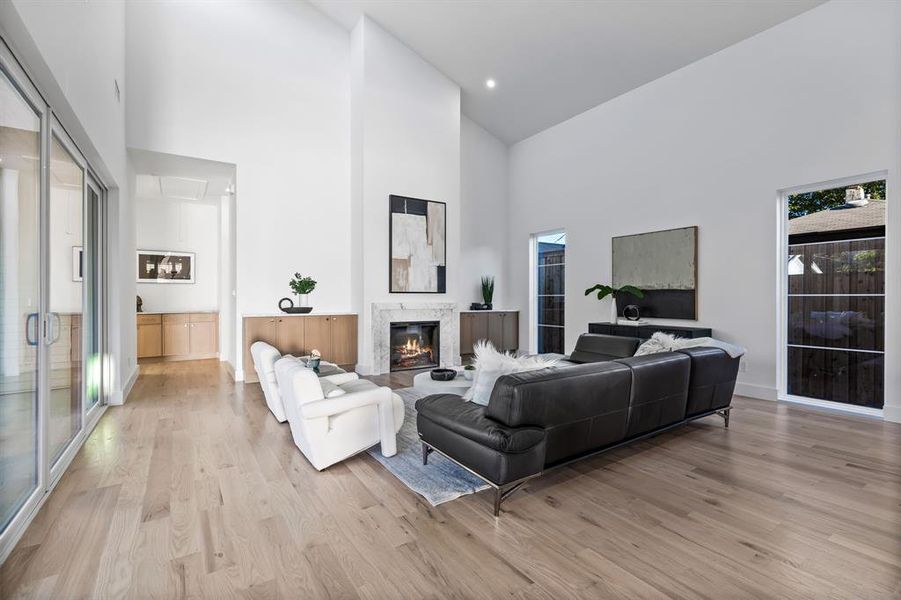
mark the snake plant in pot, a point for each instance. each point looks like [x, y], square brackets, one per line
[488, 290]
[608, 290]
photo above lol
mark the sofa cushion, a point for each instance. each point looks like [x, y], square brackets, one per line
[460, 429]
[469, 420]
[596, 347]
[659, 391]
[329, 389]
[582, 407]
[357, 385]
[712, 383]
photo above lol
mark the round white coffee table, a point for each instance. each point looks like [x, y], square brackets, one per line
[424, 383]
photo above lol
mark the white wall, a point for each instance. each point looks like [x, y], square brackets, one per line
[266, 86]
[813, 99]
[182, 226]
[483, 216]
[406, 142]
[75, 52]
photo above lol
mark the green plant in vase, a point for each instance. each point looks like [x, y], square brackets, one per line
[604, 290]
[488, 290]
[302, 287]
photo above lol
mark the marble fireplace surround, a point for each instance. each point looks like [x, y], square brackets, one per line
[385, 313]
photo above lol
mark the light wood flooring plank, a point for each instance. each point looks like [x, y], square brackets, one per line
[193, 490]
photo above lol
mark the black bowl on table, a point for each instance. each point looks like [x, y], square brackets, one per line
[443, 374]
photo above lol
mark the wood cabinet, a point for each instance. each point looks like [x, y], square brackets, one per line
[344, 339]
[334, 336]
[501, 328]
[178, 336]
[176, 340]
[319, 336]
[150, 336]
[203, 334]
[290, 335]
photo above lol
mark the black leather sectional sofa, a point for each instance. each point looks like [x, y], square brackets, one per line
[602, 397]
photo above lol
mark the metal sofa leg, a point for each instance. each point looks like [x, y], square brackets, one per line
[725, 414]
[498, 498]
[425, 453]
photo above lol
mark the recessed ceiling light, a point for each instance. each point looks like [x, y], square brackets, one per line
[490, 84]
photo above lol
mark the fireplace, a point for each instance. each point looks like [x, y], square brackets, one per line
[415, 345]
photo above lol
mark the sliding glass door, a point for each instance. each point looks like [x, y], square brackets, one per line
[66, 216]
[20, 193]
[51, 299]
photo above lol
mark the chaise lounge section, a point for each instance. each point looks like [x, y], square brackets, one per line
[539, 420]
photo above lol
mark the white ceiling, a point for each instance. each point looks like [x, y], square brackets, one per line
[554, 59]
[180, 178]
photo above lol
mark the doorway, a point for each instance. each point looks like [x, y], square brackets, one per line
[549, 297]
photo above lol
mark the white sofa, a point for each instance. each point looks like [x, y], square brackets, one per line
[264, 357]
[337, 416]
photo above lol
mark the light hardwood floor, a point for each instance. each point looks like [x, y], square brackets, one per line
[193, 490]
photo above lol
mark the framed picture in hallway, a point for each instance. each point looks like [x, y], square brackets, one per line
[417, 254]
[163, 266]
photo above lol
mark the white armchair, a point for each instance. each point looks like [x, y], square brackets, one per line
[264, 357]
[335, 417]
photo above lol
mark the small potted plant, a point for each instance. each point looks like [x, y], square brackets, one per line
[488, 290]
[302, 287]
[608, 290]
[468, 372]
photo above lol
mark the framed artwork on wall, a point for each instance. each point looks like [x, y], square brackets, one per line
[163, 266]
[417, 253]
[77, 263]
[664, 265]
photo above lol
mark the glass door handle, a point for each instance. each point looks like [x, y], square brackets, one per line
[52, 328]
[31, 329]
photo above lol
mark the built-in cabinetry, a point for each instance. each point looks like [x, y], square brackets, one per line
[501, 328]
[334, 336]
[178, 336]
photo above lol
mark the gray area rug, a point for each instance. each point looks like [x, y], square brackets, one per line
[438, 482]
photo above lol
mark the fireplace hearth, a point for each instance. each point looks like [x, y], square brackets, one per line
[415, 345]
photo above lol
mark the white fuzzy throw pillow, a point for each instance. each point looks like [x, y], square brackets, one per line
[659, 342]
[491, 364]
[664, 342]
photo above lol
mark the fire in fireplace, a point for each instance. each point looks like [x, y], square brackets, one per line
[414, 345]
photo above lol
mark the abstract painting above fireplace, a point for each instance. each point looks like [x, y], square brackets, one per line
[415, 345]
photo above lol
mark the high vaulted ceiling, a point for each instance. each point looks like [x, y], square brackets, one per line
[553, 59]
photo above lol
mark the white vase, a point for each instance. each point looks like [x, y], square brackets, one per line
[303, 299]
[613, 314]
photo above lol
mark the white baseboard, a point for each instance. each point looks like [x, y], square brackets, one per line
[891, 413]
[753, 390]
[239, 375]
[118, 398]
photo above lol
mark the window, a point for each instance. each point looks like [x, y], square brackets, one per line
[550, 286]
[835, 294]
